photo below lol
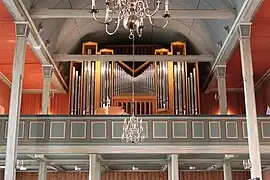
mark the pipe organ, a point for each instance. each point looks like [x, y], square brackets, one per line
[143, 83]
[161, 87]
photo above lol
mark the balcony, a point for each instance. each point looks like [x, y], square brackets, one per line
[163, 133]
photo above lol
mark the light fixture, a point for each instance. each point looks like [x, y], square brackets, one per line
[192, 167]
[131, 12]
[40, 28]
[247, 164]
[219, 44]
[228, 156]
[133, 131]
[76, 168]
[226, 29]
[47, 43]
[134, 168]
[22, 168]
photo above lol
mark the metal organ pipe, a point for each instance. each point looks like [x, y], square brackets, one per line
[76, 93]
[72, 91]
[191, 93]
[179, 87]
[175, 71]
[195, 92]
[184, 87]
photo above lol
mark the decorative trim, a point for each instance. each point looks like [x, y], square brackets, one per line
[236, 130]
[262, 128]
[58, 122]
[78, 122]
[244, 129]
[160, 137]
[146, 129]
[43, 132]
[179, 122]
[219, 129]
[193, 123]
[6, 129]
[92, 127]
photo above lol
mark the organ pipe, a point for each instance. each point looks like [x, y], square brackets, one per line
[185, 89]
[82, 88]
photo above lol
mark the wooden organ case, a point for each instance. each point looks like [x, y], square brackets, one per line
[161, 87]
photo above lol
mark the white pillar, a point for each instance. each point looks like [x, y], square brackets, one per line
[170, 170]
[251, 114]
[221, 79]
[227, 170]
[98, 171]
[42, 172]
[92, 166]
[175, 171]
[47, 74]
[22, 31]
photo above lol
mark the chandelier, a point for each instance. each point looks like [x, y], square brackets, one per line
[131, 12]
[133, 126]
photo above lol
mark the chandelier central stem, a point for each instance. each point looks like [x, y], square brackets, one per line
[133, 77]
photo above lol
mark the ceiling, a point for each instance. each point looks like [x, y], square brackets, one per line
[125, 162]
[32, 70]
[66, 34]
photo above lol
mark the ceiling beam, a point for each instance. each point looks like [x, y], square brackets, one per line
[45, 13]
[263, 79]
[188, 58]
[246, 14]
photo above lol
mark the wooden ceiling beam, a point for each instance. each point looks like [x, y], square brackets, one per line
[46, 13]
[140, 58]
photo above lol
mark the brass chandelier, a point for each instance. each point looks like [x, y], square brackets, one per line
[131, 12]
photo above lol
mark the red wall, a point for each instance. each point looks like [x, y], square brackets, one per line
[263, 97]
[4, 97]
[31, 104]
[236, 103]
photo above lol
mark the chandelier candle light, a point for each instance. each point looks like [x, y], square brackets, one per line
[133, 126]
[131, 12]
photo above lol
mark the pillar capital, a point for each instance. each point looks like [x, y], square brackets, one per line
[244, 30]
[47, 70]
[22, 29]
[221, 71]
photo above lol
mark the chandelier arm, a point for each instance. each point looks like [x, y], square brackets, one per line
[117, 27]
[165, 25]
[147, 11]
[104, 22]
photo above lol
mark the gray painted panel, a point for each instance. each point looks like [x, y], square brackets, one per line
[98, 130]
[57, 129]
[231, 130]
[198, 129]
[265, 129]
[160, 129]
[179, 129]
[117, 129]
[37, 130]
[214, 130]
[78, 130]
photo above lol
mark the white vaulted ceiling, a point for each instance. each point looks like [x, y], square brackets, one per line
[66, 34]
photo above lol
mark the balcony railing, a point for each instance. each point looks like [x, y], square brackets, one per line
[100, 130]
